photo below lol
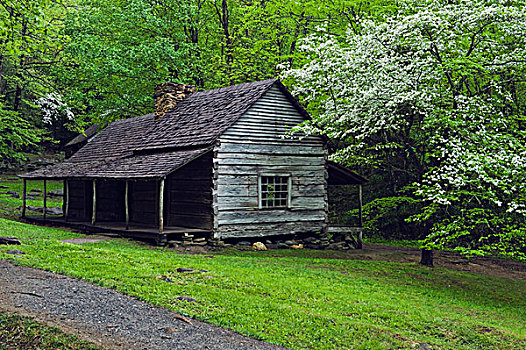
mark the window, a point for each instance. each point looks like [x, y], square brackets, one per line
[274, 191]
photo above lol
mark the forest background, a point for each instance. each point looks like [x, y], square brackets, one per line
[425, 98]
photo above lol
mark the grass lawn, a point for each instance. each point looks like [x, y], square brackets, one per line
[9, 206]
[300, 300]
[22, 333]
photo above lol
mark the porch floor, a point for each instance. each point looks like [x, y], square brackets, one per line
[134, 230]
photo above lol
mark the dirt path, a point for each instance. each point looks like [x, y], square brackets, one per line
[105, 317]
[485, 266]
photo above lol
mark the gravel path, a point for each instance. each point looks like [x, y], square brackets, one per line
[109, 319]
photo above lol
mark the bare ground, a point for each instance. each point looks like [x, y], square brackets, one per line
[488, 266]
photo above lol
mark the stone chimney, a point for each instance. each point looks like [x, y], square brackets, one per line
[169, 94]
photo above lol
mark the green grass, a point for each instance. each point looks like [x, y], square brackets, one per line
[9, 206]
[21, 333]
[301, 299]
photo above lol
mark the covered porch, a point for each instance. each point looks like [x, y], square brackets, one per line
[156, 197]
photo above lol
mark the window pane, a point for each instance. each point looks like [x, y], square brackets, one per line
[274, 191]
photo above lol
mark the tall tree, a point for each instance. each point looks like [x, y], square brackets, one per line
[435, 95]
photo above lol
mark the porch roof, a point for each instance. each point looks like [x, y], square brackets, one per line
[139, 166]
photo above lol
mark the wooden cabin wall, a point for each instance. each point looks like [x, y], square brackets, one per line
[110, 201]
[80, 197]
[255, 145]
[143, 202]
[189, 195]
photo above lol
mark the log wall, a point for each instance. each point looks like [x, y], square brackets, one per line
[80, 194]
[144, 202]
[110, 201]
[257, 145]
[189, 195]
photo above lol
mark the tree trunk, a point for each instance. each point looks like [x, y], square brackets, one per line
[427, 257]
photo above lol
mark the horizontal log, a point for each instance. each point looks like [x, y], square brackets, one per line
[274, 161]
[237, 180]
[192, 208]
[269, 216]
[285, 169]
[204, 222]
[264, 148]
[264, 230]
[190, 195]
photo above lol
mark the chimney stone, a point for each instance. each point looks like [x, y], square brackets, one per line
[168, 95]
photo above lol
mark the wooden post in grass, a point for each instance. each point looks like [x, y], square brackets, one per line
[359, 244]
[45, 201]
[126, 206]
[65, 197]
[161, 206]
[24, 199]
[94, 208]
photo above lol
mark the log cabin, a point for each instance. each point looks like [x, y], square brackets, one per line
[218, 163]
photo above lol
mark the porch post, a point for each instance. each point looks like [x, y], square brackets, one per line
[360, 203]
[94, 210]
[45, 201]
[24, 199]
[161, 206]
[66, 200]
[126, 206]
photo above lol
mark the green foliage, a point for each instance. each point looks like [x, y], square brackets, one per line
[301, 299]
[16, 136]
[433, 98]
[10, 206]
[387, 218]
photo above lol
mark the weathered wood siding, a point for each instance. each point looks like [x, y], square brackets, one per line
[189, 195]
[110, 201]
[256, 145]
[144, 202]
[80, 197]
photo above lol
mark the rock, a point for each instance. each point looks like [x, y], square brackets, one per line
[170, 330]
[186, 299]
[259, 246]
[13, 194]
[56, 193]
[200, 239]
[199, 243]
[243, 243]
[10, 240]
[290, 242]
[314, 246]
[282, 245]
[14, 251]
[268, 241]
[54, 211]
[29, 198]
[2, 186]
[36, 190]
[184, 269]
[310, 239]
[297, 246]
[33, 194]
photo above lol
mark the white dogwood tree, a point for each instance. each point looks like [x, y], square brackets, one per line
[441, 87]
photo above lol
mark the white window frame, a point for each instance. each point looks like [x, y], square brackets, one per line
[289, 190]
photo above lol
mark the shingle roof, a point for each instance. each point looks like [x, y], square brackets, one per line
[87, 134]
[142, 166]
[203, 116]
[183, 133]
